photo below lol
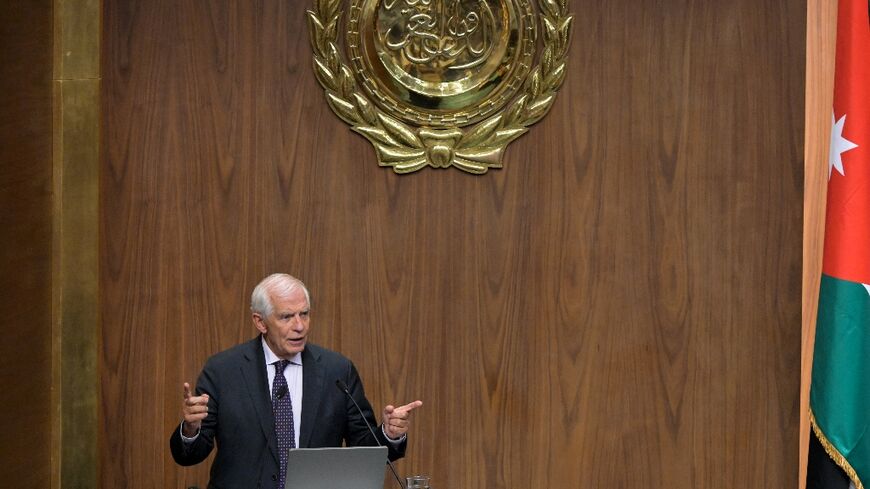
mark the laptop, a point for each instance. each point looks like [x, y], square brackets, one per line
[336, 468]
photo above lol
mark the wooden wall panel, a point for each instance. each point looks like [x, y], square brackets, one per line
[618, 307]
[25, 242]
[821, 48]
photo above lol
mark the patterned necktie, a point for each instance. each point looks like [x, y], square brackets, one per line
[282, 409]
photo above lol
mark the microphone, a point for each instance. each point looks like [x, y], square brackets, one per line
[282, 391]
[343, 388]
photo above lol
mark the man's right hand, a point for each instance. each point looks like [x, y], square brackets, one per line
[195, 409]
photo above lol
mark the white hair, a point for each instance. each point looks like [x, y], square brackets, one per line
[279, 284]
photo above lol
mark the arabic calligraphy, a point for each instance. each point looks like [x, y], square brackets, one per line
[441, 33]
[440, 63]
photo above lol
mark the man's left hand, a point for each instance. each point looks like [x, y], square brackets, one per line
[396, 419]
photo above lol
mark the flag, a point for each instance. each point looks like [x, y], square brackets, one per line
[840, 388]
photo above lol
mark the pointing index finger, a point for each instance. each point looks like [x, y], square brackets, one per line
[410, 406]
[187, 393]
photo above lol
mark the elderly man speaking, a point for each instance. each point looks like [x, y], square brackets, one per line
[276, 392]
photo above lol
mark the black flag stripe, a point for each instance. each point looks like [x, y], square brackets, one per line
[822, 472]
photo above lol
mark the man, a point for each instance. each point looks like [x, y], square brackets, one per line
[260, 398]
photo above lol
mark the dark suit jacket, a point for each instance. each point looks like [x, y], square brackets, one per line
[241, 424]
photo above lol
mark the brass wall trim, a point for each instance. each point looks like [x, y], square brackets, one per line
[76, 39]
[75, 245]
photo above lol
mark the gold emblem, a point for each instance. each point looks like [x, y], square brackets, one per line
[441, 82]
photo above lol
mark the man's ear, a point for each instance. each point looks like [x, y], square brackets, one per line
[259, 323]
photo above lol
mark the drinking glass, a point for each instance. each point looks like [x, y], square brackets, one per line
[418, 482]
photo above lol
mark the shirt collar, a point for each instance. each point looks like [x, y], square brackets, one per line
[272, 358]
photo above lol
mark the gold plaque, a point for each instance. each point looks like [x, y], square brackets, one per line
[441, 82]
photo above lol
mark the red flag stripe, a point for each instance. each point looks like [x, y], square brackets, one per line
[847, 226]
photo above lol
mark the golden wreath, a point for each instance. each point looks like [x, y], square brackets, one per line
[406, 149]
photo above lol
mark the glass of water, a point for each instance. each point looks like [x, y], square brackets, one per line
[418, 482]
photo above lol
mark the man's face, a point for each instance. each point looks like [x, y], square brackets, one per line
[286, 329]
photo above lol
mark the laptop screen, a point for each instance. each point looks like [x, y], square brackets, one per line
[336, 468]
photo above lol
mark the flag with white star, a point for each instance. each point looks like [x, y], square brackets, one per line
[840, 390]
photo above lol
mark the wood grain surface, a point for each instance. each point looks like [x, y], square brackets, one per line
[25, 243]
[821, 49]
[617, 308]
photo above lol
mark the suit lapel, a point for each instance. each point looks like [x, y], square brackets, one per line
[256, 381]
[312, 392]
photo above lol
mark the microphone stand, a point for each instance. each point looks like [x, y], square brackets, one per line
[343, 388]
